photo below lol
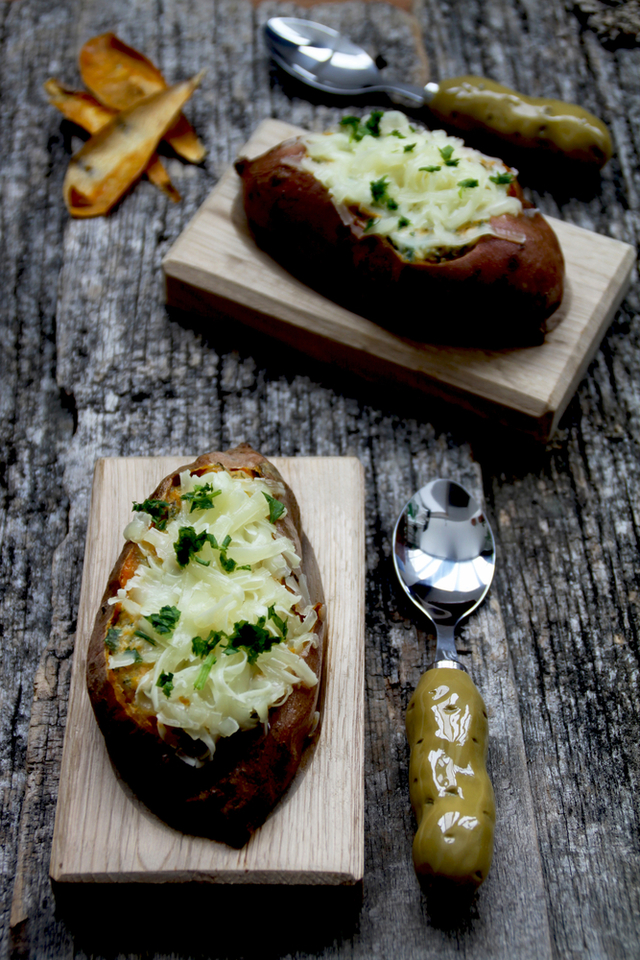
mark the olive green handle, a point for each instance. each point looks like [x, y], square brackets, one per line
[475, 103]
[450, 790]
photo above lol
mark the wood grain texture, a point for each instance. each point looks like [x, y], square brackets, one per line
[92, 365]
[103, 833]
[216, 268]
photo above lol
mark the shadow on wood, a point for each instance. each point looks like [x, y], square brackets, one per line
[491, 439]
[207, 919]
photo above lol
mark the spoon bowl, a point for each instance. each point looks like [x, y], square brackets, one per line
[325, 60]
[444, 556]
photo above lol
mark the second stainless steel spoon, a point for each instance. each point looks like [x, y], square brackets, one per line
[444, 556]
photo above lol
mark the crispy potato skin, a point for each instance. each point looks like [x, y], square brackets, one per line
[230, 796]
[498, 293]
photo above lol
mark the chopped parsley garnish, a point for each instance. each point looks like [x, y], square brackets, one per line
[467, 184]
[189, 543]
[379, 194]
[403, 222]
[165, 682]
[430, 169]
[205, 670]
[360, 130]
[253, 637]
[373, 123]
[281, 624]
[112, 639]
[201, 497]
[370, 223]
[165, 621]
[445, 153]
[354, 123]
[144, 636]
[158, 510]
[396, 133]
[136, 654]
[202, 647]
[276, 508]
[409, 147]
[502, 178]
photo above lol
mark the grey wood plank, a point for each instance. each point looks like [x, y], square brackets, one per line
[92, 365]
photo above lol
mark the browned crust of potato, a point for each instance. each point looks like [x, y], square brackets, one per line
[497, 293]
[230, 796]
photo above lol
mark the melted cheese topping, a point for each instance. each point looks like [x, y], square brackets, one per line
[405, 183]
[180, 627]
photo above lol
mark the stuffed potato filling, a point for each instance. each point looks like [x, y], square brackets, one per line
[211, 626]
[428, 193]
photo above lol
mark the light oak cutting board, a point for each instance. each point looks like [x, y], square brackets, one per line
[316, 833]
[215, 268]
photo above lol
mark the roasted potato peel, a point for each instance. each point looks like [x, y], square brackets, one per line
[82, 108]
[120, 76]
[119, 152]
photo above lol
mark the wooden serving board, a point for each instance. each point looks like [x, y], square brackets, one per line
[215, 268]
[316, 833]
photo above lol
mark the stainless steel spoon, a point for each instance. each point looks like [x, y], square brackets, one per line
[444, 555]
[325, 60]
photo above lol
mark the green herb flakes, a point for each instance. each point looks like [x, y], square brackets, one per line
[253, 637]
[165, 682]
[189, 543]
[379, 194]
[158, 510]
[360, 130]
[165, 621]
[112, 639]
[276, 508]
[446, 154]
[205, 670]
[201, 497]
[281, 624]
[502, 179]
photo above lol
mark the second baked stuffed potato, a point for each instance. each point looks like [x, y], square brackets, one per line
[205, 660]
[409, 228]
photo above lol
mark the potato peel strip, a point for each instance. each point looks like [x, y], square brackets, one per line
[120, 76]
[118, 153]
[82, 108]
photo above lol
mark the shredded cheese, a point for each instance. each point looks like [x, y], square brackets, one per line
[180, 629]
[427, 192]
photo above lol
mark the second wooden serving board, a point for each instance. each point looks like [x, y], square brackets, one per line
[215, 268]
[316, 833]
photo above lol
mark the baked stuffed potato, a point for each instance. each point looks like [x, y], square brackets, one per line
[204, 663]
[409, 228]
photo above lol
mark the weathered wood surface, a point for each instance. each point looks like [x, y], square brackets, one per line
[92, 366]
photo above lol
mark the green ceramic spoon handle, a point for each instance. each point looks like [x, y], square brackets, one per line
[450, 790]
